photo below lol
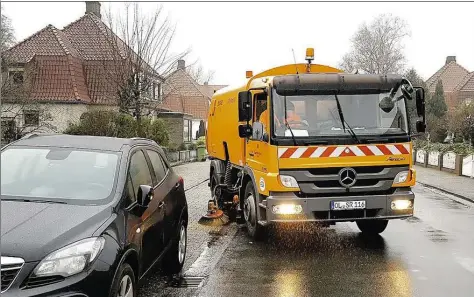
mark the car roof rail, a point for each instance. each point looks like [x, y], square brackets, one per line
[144, 139]
[31, 135]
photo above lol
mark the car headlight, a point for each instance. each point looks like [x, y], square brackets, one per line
[401, 177]
[288, 181]
[71, 259]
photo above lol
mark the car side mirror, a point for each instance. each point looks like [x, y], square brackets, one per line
[386, 104]
[245, 106]
[245, 131]
[145, 195]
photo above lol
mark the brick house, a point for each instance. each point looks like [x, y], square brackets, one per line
[64, 73]
[458, 83]
[182, 94]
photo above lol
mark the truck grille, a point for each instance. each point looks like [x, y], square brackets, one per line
[10, 267]
[325, 181]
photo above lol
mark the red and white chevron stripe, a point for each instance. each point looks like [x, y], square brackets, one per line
[343, 151]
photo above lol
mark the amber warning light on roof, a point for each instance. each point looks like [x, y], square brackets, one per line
[309, 54]
[248, 74]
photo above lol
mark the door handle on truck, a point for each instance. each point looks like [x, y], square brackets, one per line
[161, 204]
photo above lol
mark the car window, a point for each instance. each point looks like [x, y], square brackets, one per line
[58, 173]
[139, 171]
[158, 165]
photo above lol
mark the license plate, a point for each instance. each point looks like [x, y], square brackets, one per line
[347, 205]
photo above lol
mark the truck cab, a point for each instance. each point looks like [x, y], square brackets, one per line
[319, 145]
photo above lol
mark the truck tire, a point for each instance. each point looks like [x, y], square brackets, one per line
[372, 227]
[255, 230]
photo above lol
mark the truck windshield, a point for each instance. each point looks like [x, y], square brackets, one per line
[318, 115]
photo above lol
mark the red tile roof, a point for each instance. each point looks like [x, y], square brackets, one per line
[80, 63]
[467, 84]
[46, 42]
[451, 74]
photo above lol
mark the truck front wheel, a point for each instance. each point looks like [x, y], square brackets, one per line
[372, 227]
[255, 230]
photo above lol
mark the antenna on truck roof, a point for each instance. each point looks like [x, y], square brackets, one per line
[294, 59]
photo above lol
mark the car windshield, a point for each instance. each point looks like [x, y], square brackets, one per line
[58, 173]
[318, 115]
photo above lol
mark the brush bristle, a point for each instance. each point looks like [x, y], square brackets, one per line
[223, 220]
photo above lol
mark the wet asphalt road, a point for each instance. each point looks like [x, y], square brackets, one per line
[431, 254]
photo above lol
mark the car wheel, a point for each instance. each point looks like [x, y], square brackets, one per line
[255, 230]
[372, 227]
[124, 284]
[174, 260]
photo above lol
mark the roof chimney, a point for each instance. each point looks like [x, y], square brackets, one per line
[93, 7]
[450, 59]
[181, 64]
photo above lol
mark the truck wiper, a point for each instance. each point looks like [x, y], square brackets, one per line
[288, 125]
[343, 121]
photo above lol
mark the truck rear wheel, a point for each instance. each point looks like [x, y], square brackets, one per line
[255, 230]
[372, 227]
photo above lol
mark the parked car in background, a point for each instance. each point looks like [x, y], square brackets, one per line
[88, 216]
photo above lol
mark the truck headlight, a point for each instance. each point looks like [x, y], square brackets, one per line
[401, 204]
[288, 181]
[401, 177]
[71, 259]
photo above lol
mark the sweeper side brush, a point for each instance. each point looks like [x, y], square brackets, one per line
[214, 216]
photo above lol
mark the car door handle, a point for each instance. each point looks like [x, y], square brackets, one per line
[161, 204]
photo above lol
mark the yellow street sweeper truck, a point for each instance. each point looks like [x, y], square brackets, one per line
[310, 143]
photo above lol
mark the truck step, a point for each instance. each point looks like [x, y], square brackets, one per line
[263, 204]
[263, 223]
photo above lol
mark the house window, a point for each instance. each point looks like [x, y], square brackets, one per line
[187, 131]
[8, 130]
[16, 76]
[31, 117]
[156, 92]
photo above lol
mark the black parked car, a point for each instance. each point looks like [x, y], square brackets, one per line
[88, 216]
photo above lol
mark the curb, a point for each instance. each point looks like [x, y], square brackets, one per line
[447, 192]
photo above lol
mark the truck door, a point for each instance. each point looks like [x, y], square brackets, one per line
[257, 144]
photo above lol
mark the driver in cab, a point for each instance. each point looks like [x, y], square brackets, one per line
[292, 118]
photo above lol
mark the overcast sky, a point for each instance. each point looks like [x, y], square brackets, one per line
[231, 38]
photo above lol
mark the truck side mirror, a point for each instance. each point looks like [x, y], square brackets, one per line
[245, 106]
[420, 127]
[420, 101]
[245, 131]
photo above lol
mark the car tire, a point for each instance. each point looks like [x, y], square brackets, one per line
[174, 259]
[372, 227]
[124, 283]
[255, 230]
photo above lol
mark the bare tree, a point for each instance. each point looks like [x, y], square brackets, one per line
[7, 33]
[197, 72]
[140, 58]
[377, 47]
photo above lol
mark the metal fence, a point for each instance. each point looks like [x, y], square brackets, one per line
[181, 156]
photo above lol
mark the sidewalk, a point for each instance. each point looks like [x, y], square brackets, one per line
[460, 186]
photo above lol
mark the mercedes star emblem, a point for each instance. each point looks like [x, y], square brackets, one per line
[347, 177]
